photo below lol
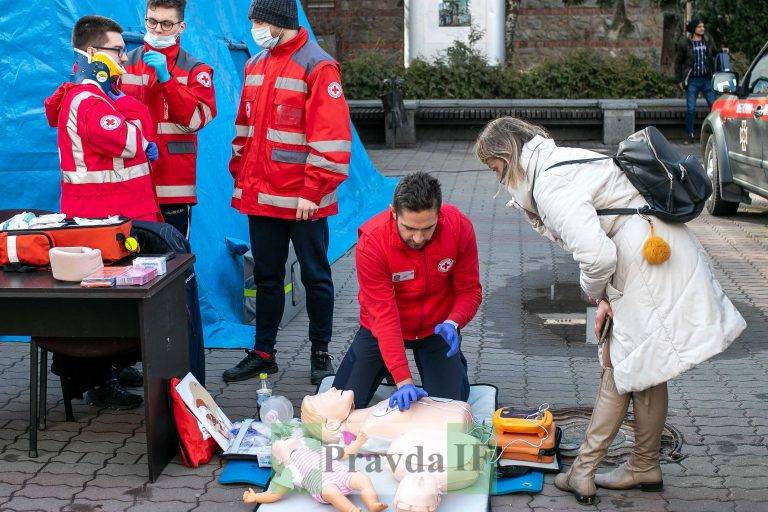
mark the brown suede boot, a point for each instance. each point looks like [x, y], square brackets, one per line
[609, 411]
[642, 469]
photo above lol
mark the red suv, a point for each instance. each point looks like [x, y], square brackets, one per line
[735, 137]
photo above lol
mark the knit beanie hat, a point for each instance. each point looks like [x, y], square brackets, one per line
[691, 27]
[280, 13]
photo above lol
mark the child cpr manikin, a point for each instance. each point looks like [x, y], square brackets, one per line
[304, 464]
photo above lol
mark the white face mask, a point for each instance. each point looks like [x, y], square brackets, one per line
[160, 42]
[263, 37]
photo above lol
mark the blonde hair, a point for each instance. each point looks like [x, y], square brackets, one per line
[504, 138]
[314, 424]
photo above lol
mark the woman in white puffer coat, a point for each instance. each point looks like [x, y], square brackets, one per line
[667, 317]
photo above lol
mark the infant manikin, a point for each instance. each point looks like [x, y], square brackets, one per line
[303, 464]
[431, 428]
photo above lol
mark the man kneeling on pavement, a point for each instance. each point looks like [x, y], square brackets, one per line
[417, 267]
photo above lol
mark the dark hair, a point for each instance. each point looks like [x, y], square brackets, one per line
[417, 192]
[691, 27]
[179, 5]
[92, 31]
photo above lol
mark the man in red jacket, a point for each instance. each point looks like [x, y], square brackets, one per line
[104, 158]
[290, 154]
[417, 267]
[178, 89]
[103, 135]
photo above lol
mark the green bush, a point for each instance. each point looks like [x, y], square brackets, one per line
[463, 73]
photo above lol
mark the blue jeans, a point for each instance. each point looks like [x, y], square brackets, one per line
[363, 369]
[696, 85]
[269, 243]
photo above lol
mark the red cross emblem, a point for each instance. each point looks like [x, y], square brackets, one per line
[334, 90]
[204, 79]
[110, 122]
[445, 265]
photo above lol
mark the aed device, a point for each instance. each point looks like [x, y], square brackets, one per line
[516, 420]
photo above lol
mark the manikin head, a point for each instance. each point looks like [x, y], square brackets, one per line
[281, 450]
[323, 415]
[416, 209]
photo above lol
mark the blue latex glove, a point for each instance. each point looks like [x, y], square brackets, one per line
[115, 96]
[451, 337]
[403, 397]
[152, 152]
[158, 61]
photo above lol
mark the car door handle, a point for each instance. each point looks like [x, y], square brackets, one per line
[758, 112]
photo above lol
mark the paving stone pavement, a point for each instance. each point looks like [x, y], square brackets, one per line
[98, 463]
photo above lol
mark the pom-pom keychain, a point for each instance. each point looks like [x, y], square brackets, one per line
[656, 250]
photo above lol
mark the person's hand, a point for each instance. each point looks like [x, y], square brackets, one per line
[405, 395]
[114, 96]
[681, 85]
[306, 209]
[451, 336]
[603, 311]
[159, 62]
[153, 153]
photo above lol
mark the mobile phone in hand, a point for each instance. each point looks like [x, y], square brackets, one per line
[607, 326]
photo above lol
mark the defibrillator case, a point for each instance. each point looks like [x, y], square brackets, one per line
[522, 421]
[530, 447]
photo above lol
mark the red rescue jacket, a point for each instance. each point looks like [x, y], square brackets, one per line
[405, 293]
[102, 143]
[293, 134]
[179, 108]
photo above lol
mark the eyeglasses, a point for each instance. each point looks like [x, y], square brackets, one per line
[120, 50]
[165, 25]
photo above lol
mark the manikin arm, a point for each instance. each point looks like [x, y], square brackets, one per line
[354, 448]
[273, 495]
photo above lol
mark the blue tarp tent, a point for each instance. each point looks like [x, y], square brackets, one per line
[36, 56]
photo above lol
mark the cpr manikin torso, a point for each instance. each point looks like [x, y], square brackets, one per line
[429, 426]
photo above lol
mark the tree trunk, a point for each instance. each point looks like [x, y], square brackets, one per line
[621, 24]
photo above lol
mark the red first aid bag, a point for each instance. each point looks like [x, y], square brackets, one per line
[193, 448]
[29, 248]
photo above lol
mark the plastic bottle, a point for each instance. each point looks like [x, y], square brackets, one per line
[264, 391]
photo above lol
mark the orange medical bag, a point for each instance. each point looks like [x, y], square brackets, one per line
[29, 248]
[530, 447]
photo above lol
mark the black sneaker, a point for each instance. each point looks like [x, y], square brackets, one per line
[130, 377]
[252, 365]
[320, 366]
[113, 396]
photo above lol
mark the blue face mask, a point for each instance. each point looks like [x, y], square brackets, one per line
[263, 37]
[160, 42]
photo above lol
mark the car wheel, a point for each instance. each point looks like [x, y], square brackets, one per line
[716, 205]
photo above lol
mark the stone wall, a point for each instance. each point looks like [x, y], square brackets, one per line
[542, 28]
[547, 29]
[347, 27]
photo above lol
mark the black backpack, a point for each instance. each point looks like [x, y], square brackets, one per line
[675, 186]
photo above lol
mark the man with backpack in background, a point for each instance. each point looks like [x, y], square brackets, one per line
[178, 90]
[694, 67]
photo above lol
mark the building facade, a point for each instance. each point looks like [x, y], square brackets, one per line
[520, 32]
